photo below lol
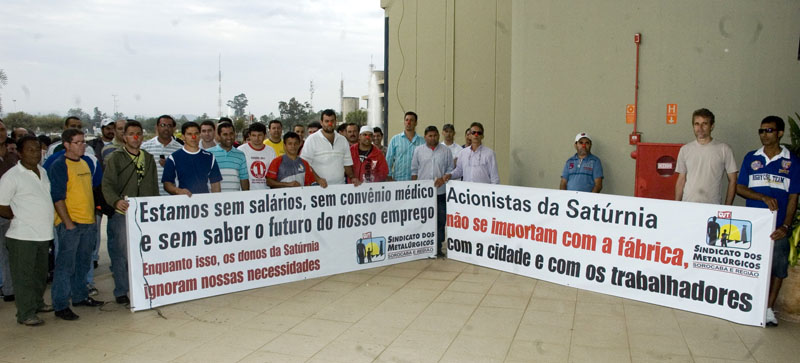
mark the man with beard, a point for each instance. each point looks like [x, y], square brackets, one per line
[328, 153]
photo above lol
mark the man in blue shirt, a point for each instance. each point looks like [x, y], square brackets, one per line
[583, 171]
[770, 178]
[193, 167]
[401, 149]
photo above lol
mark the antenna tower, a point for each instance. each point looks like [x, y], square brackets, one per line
[311, 90]
[219, 97]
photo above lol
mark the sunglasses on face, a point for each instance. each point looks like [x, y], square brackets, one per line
[477, 133]
[768, 130]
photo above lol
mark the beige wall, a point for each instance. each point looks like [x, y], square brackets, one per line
[449, 62]
[547, 69]
[573, 69]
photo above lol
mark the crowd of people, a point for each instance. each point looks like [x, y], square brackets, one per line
[53, 196]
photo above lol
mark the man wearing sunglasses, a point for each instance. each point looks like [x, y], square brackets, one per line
[162, 146]
[703, 162]
[476, 163]
[770, 178]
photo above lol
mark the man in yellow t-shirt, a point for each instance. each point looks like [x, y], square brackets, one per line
[72, 176]
[275, 139]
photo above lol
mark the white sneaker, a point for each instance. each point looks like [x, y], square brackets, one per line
[771, 320]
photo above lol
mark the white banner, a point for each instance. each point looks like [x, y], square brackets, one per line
[708, 259]
[183, 248]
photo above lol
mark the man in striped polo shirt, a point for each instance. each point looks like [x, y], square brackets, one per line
[231, 161]
[162, 146]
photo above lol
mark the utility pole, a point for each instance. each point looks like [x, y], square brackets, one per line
[219, 98]
[311, 90]
[115, 103]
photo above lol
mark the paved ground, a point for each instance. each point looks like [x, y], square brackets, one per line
[423, 311]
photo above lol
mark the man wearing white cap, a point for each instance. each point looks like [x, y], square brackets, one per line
[583, 171]
[369, 164]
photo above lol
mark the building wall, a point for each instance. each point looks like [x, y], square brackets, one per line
[573, 69]
[548, 69]
[449, 61]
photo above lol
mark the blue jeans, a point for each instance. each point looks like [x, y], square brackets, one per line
[72, 263]
[96, 252]
[118, 252]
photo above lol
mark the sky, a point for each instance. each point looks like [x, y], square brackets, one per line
[162, 56]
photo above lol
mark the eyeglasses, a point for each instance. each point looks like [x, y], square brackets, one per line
[477, 133]
[768, 130]
[166, 125]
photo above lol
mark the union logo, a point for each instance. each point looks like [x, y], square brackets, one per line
[258, 169]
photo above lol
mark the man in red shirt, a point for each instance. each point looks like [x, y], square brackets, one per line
[369, 164]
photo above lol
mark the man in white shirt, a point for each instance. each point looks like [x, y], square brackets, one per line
[702, 163]
[433, 161]
[328, 153]
[25, 199]
[449, 132]
[259, 156]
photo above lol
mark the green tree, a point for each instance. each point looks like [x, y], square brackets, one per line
[48, 123]
[119, 116]
[294, 113]
[39, 124]
[359, 117]
[148, 123]
[238, 104]
[238, 125]
[265, 119]
[78, 112]
[19, 119]
[98, 116]
[202, 118]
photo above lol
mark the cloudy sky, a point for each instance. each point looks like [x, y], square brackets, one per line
[161, 56]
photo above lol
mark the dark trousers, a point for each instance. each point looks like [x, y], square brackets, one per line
[28, 261]
[441, 220]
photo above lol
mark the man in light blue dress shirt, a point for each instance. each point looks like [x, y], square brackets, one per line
[401, 149]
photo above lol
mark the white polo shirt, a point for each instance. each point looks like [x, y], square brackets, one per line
[327, 160]
[29, 199]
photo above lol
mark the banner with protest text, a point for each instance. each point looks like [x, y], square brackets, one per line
[183, 248]
[704, 258]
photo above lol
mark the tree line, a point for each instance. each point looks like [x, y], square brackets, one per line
[291, 113]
